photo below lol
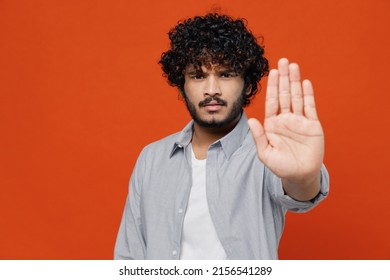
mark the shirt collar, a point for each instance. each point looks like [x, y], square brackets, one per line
[234, 139]
[184, 138]
[229, 143]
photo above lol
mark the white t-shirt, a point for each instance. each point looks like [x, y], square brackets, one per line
[199, 238]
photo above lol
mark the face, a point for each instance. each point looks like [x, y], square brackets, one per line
[214, 96]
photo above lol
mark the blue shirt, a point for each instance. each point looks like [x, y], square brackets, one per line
[246, 200]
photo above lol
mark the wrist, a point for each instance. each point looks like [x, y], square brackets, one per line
[304, 188]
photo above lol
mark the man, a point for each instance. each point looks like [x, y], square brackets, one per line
[220, 188]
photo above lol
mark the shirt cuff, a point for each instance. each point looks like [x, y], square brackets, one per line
[302, 206]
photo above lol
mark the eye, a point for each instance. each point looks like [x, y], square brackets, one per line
[196, 76]
[228, 74]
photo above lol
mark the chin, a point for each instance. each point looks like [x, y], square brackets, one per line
[213, 123]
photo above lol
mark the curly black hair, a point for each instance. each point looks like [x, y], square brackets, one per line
[214, 39]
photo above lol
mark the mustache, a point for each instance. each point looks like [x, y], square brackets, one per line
[209, 99]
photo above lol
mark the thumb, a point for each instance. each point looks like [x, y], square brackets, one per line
[259, 136]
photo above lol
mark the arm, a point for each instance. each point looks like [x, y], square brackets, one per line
[130, 242]
[303, 190]
[291, 142]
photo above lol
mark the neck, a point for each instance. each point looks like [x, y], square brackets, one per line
[203, 137]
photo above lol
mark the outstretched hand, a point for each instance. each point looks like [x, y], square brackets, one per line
[291, 142]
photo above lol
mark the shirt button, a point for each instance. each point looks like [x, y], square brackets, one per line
[180, 211]
[174, 252]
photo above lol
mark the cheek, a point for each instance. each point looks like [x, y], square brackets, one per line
[232, 91]
[192, 92]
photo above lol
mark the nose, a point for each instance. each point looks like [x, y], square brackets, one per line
[212, 86]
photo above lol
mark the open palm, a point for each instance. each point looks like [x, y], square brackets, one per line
[291, 142]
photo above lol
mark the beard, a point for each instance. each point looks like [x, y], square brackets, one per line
[235, 111]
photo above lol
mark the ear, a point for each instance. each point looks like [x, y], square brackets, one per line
[248, 90]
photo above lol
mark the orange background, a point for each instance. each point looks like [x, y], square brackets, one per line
[81, 94]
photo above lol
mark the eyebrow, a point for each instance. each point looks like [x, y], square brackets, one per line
[193, 71]
[221, 69]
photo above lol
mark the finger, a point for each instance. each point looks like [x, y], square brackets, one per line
[284, 86]
[271, 98]
[296, 89]
[308, 99]
[259, 136]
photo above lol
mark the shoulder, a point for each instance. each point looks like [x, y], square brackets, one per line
[162, 144]
[159, 150]
[167, 144]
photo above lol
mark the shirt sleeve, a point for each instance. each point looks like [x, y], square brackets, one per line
[274, 185]
[130, 243]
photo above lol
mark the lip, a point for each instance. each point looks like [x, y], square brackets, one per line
[212, 107]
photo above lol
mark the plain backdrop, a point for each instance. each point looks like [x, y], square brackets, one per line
[81, 94]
